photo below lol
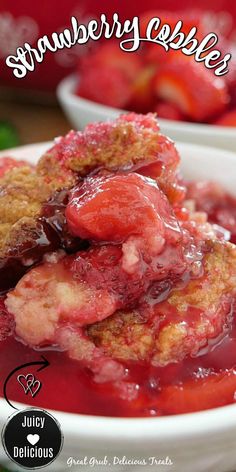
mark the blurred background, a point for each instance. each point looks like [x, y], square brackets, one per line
[29, 111]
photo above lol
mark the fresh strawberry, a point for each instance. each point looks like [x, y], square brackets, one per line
[230, 77]
[107, 85]
[227, 119]
[110, 54]
[156, 56]
[143, 97]
[168, 111]
[107, 75]
[192, 88]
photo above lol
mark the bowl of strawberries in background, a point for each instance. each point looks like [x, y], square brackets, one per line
[191, 102]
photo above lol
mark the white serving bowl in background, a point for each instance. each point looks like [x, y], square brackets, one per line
[196, 442]
[80, 112]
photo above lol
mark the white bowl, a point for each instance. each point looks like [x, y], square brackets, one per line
[196, 442]
[80, 112]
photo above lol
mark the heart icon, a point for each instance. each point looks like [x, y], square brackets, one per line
[33, 439]
[29, 384]
[25, 381]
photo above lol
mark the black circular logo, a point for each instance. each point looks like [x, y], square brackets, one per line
[32, 438]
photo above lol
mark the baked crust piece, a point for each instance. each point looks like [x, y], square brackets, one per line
[130, 142]
[24, 236]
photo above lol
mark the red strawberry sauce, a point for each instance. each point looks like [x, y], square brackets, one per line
[203, 382]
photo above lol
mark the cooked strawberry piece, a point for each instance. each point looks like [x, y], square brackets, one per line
[227, 119]
[8, 163]
[110, 209]
[165, 171]
[102, 270]
[7, 323]
[177, 82]
[109, 266]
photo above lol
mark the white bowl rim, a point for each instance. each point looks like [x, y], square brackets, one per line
[65, 89]
[214, 422]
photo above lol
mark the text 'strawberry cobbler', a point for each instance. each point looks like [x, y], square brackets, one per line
[153, 79]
